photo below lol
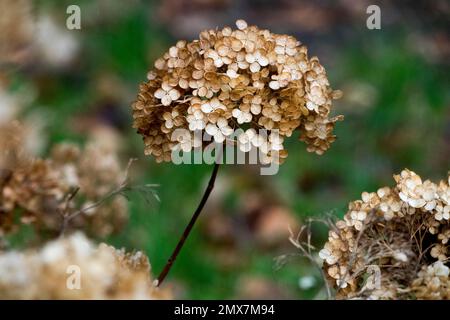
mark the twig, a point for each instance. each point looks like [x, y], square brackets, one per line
[306, 248]
[189, 227]
[65, 212]
[67, 217]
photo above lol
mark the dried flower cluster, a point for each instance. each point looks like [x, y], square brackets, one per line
[16, 23]
[402, 233]
[75, 268]
[45, 192]
[433, 282]
[247, 78]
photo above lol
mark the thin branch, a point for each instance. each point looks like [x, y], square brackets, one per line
[189, 227]
[305, 248]
[119, 190]
[65, 212]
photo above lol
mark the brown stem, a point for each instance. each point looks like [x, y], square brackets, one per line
[189, 227]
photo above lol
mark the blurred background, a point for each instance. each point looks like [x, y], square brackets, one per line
[75, 85]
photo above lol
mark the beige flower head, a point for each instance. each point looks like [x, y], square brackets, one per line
[75, 268]
[247, 78]
[42, 192]
[403, 231]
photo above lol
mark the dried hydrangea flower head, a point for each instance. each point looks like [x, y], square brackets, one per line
[12, 153]
[247, 78]
[399, 231]
[16, 23]
[39, 191]
[105, 272]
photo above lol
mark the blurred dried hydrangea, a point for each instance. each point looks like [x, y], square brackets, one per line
[16, 23]
[105, 272]
[402, 233]
[46, 192]
[247, 78]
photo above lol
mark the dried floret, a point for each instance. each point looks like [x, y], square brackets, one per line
[432, 282]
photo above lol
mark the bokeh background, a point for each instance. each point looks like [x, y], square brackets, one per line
[78, 85]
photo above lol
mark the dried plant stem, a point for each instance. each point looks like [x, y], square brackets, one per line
[306, 249]
[189, 227]
[67, 216]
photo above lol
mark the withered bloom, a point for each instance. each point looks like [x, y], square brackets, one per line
[247, 78]
[42, 192]
[393, 243]
[51, 272]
